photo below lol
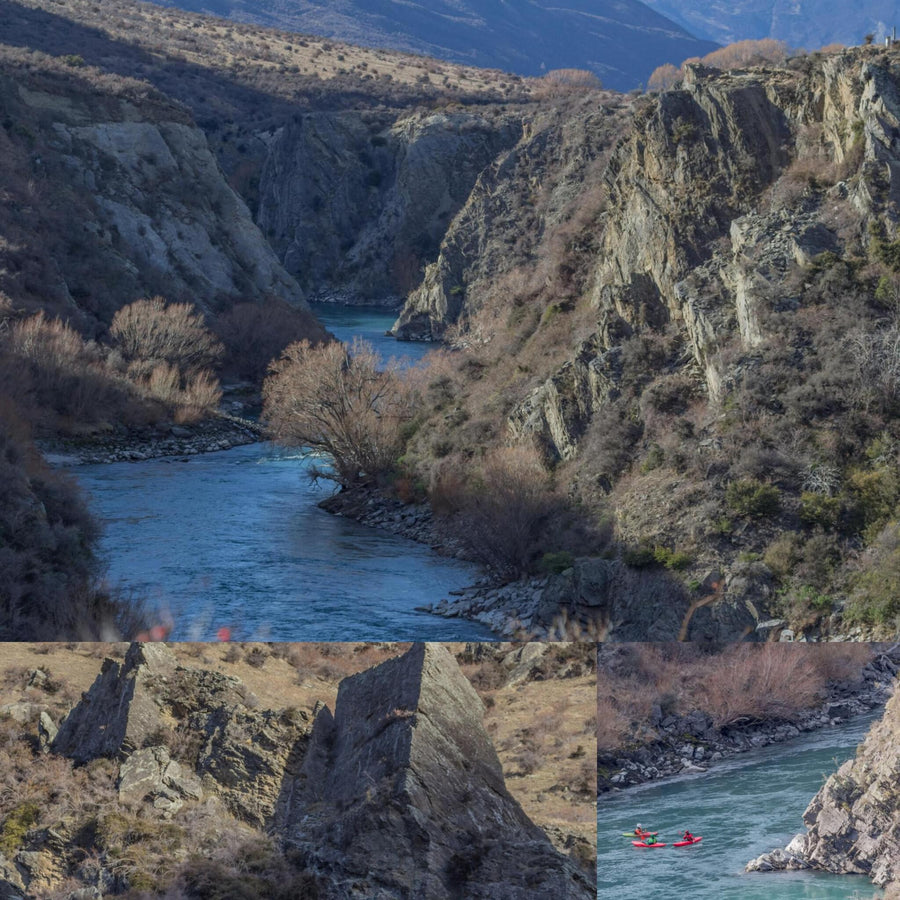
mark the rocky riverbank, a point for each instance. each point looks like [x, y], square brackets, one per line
[853, 822]
[514, 610]
[693, 743]
[132, 444]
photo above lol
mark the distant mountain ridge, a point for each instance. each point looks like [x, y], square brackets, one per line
[623, 41]
[802, 23]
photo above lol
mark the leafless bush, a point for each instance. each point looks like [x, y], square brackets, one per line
[174, 333]
[664, 77]
[507, 513]
[344, 403]
[876, 355]
[565, 82]
[255, 334]
[754, 683]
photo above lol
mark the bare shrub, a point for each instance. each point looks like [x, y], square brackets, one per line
[344, 403]
[565, 82]
[59, 381]
[255, 334]
[507, 511]
[664, 77]
[876, 355]
[761, 682]
[171, 332]
[747, 53]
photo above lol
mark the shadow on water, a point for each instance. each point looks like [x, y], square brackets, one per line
[235, 539]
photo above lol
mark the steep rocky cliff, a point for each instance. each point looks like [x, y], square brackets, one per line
[401, 794]
[853, 823]
[114, 195]
[520, 198]
[355, 203]
[683, 329]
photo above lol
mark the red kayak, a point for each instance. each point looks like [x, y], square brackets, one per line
[696, 840]
[648, 846]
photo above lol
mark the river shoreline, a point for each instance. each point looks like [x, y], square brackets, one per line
[221, 432]
[692, 744]
[523, 610]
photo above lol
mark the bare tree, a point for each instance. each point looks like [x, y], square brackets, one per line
[345, 403]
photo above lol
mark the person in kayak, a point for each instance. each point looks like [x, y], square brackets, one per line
[650, 839]
[638, 830]
[687, 836]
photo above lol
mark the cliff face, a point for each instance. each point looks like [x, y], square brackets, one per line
[854, 821]
[122, 195]
[355, 203]
[401, 795]
[682, 239]
[520, 198]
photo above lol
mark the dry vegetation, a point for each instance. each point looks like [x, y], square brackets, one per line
[733, 685]
[218, 66]
[541, 723]
[49, 585]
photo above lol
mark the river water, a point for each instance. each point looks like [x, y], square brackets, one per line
[234, 539]
[743, 807]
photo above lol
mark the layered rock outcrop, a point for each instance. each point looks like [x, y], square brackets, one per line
[853, 823]
[181, 734]
[682, 240]
[401, 795]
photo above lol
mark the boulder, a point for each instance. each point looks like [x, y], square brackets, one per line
[118, 714]
[401, 794]
[151, 774]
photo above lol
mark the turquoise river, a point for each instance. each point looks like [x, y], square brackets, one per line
[742, 807]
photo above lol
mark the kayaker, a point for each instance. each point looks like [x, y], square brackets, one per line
[650, 839]
[687, 836]
[638, 830]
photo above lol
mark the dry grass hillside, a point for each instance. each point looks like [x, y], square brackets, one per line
[219, 65]
[540, 715]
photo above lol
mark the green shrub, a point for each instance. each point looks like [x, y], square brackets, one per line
[875, 595]
[752, 498]
[783, 554]
[817, 509]
[16, 825]
[875, 493]
[655, 457]
[557, 562]
[672, 559]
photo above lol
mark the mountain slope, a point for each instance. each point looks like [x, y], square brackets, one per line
[807, 23]
[621, 40]
[701, 341]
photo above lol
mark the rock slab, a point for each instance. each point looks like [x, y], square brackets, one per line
[401, 794]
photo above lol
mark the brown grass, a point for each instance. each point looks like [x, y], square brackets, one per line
[739, 683]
